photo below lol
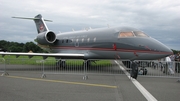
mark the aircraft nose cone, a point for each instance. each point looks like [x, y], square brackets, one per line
[158, 49]
[162, 48]
[169, 51]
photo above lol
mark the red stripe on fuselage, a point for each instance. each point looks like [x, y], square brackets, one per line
[109, 49]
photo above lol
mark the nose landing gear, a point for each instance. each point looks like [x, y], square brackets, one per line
[134, 72]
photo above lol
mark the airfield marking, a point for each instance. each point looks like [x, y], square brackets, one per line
[66, 82]
[146, 94]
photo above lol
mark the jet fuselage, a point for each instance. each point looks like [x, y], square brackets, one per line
[109, 43]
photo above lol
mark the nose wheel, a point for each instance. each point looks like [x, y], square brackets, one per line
[134, 71]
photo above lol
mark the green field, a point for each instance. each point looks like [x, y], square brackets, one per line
[38, 60]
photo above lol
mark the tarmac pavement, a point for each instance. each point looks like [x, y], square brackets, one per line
[163, 89]
[27, 85]
[67, 88]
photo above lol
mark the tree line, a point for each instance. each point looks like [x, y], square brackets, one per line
[19, 47]
[175, 51]
[28, 46]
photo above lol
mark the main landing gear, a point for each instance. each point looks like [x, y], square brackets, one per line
[61, 63]
[87, 63]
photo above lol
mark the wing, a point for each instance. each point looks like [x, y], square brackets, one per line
[45, 55]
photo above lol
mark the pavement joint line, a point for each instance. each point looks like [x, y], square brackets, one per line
[65, 82]
[145, 93]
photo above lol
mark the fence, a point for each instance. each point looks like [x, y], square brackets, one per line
[157, 68]
[74, 67]
[3, 67]
[21, 65]
[81, 67]
[148, 68]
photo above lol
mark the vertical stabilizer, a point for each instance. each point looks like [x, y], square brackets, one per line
[39, 21]
[40, 24]
[44, 37]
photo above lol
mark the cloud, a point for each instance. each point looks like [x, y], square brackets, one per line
[159, 19]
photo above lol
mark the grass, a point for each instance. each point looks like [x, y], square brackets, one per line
[25, 60]
[38, 60]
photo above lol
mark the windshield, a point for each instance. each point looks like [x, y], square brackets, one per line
[125, 34]
[139, 34]
[132, 34]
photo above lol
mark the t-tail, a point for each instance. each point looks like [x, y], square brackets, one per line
[45, 36]
[40, 24]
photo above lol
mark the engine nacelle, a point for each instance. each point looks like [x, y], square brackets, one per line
[45, 38]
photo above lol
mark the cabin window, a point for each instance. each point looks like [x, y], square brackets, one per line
[82, 39]
[139, 34]
[76, 40]
[88, 39]
[94, 39]
[125, 34]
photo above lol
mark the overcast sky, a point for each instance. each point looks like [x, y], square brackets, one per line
[159, 19]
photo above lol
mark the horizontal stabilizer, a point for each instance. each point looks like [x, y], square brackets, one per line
[31, 18]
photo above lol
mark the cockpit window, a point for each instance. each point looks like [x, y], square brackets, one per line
[125, 34]
[139, 34]
[132, 34]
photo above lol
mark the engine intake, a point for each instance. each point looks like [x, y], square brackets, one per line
[45, 38]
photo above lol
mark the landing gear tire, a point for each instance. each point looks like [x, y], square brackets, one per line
[61, 64]
[143, 71]
[87, 63]
[134, 72]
